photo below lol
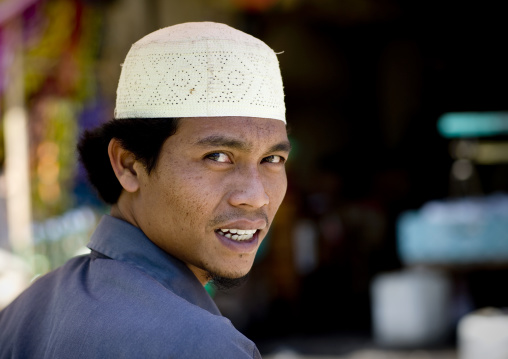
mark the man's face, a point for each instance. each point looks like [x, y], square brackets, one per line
[214, 192]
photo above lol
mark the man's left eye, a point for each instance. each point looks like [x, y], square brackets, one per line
[218, 157]
[274, 159]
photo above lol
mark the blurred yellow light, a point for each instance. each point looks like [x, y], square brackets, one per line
[47, 172]
[492, 152]
[48, 149]
[49, 193]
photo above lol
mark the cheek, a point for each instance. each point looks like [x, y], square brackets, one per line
[276, 190]
[192, 195]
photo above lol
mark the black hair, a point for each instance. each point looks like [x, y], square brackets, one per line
[143, 137]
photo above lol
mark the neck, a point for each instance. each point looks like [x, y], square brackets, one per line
[118, 212]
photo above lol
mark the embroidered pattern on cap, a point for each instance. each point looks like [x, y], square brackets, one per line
[200, 70]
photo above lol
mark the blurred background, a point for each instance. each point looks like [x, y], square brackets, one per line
[394, 229]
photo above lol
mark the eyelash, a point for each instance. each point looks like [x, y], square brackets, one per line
[211, 156]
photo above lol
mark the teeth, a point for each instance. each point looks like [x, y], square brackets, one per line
[237, 231]
[237, 234]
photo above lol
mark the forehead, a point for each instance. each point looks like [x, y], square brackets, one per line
[252, 131]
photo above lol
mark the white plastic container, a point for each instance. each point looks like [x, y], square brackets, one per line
[411, 308]
[484, 334]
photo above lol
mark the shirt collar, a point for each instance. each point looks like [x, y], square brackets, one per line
[124, 242]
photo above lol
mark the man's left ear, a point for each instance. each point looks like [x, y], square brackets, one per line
[124, 165]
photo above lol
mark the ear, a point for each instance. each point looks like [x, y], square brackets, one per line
[123, 163]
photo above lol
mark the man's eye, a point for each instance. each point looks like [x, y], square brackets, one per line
[274, 159]
[219, 157]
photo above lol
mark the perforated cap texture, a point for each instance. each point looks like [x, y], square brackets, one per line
[200, 69]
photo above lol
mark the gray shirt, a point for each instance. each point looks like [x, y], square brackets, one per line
[127, 299]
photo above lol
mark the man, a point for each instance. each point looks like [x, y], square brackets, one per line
[193, 166]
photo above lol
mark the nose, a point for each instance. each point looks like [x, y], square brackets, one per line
[248, 190]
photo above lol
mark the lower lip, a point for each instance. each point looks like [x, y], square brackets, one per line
[246, 246]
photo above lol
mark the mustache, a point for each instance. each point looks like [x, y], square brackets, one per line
[237, 215]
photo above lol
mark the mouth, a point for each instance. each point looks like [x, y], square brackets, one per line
[240, 241]
[237, 234]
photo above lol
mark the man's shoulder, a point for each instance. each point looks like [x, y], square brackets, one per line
[161, 316]
[164, 322]
[114, 309]
[140, 315]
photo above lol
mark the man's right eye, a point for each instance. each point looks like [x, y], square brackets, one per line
[219, 157]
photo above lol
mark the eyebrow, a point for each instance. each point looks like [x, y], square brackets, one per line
[233, 143]
[282, 147]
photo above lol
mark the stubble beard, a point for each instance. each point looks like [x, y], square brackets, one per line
[222, 283]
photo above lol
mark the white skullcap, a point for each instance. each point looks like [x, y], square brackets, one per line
[200, 69]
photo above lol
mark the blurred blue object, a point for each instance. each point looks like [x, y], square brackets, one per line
[471, 230]
[472, 124]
